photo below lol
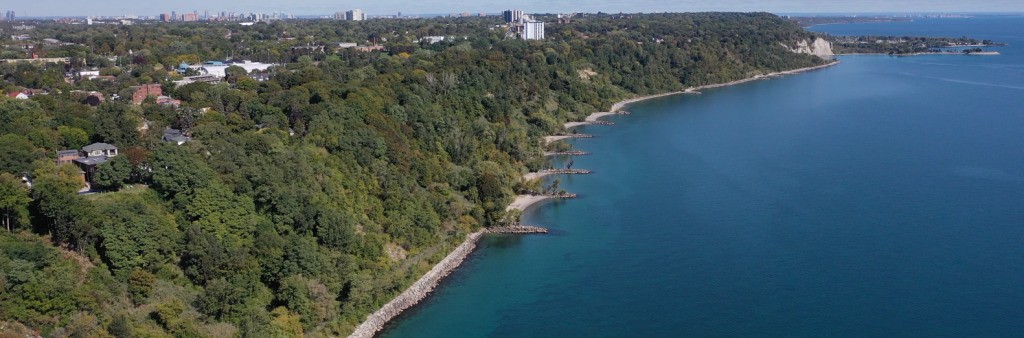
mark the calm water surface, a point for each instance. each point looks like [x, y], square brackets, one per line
[880, 197]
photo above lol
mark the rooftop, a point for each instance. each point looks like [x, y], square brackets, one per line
[98, 146]
[92, 160]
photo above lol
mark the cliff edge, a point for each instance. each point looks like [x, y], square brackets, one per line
[820, 47]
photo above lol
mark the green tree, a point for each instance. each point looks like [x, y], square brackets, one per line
[219, 211]
[176, 170]
[74, 138]
[14, 201]
[16, 154]
[137, 234]
[20, 116]
[246, 84]
[118, 123]
[66, 215]
[140, 285]
[113, 173]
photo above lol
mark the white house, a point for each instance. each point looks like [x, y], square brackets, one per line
[89, 74]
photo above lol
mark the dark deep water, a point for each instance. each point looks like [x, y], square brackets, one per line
[881, 197]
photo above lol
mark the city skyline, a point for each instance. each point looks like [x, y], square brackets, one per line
[390, 7]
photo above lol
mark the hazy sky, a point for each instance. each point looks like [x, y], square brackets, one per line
[374, 7]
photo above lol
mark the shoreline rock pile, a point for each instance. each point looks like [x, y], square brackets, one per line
[419, 290]
[517, 229]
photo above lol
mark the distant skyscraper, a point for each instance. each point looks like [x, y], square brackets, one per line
[206, 14]
[174, 16]
[339, 15]
[533, 30]
[355, 15]
[512, 15]
[399, 15]
[165, 17]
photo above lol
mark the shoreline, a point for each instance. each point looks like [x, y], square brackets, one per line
[695, 90]
[919, 54]
[425, 285]
[521, 202]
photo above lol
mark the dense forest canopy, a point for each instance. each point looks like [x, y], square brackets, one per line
[304, 202]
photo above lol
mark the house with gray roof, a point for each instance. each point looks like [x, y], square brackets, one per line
[100, 149]
[174, 135]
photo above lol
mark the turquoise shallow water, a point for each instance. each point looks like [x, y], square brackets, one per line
[880, 197]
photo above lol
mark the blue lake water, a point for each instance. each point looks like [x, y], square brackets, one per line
[881, 197]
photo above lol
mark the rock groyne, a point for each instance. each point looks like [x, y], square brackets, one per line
[517, 229]
[566, 153]
[419, 290]
[564, 171]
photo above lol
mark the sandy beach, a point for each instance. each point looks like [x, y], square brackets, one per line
[535, 175]
[549, 139]
[590, 119]
[525, 201]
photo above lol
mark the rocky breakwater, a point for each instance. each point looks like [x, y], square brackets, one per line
[566, 153]
[564, 171]
[553, 138]
[419, 290]
[517, 229]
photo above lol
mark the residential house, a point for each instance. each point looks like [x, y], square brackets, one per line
[89, 74]
[89, 166]
[35, 91]
[96, 154]
[67, 156]
[369, 48]
[260, 77]
[144, 91]
[87, 94]
[100, 149]
[174, 135]
[18, 95]
[167, 100]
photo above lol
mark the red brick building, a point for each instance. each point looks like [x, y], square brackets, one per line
[143, 91]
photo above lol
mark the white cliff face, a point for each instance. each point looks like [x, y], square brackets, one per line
[819, 47]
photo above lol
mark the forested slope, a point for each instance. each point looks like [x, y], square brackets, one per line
[302, 203]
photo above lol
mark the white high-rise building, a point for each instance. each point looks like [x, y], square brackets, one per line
[533, 30]
[355, 15]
